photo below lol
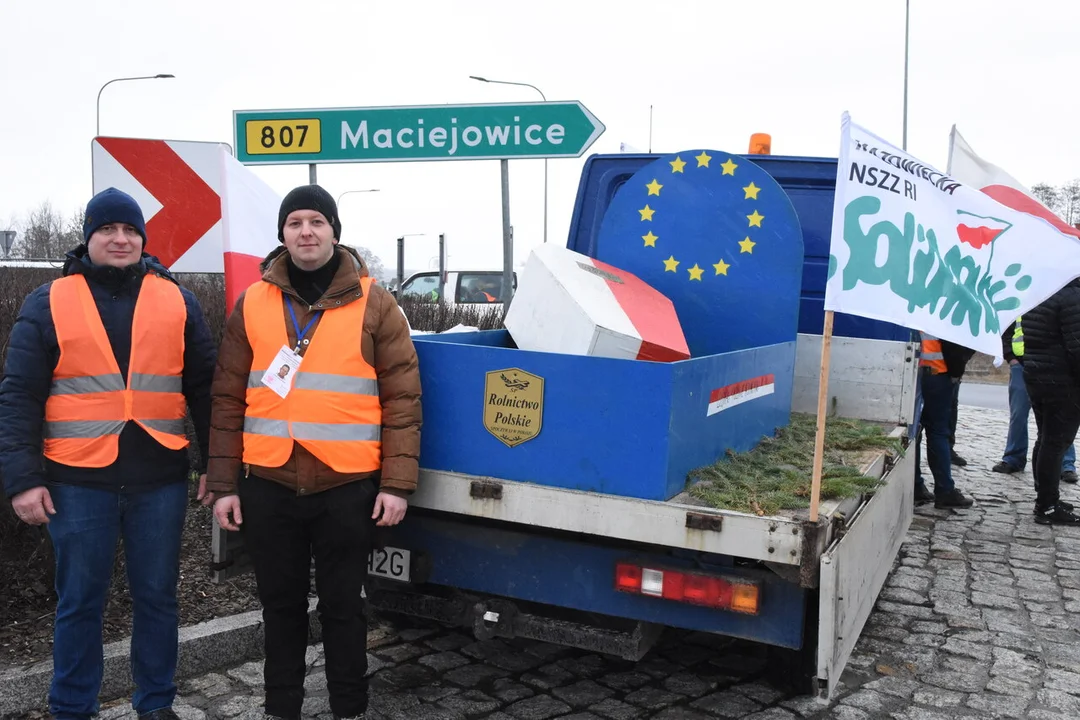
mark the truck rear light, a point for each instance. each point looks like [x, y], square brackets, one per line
[715, 591]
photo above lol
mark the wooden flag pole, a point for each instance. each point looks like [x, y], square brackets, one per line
[823, 394]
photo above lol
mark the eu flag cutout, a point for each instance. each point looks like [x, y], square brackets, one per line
[717, 235]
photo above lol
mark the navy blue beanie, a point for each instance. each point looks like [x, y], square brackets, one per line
[113, 206]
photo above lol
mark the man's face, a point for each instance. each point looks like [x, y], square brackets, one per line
[309, 238]
[115, 244]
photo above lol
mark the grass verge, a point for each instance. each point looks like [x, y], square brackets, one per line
[776, 474]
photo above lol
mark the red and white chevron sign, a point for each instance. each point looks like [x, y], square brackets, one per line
[178, 185]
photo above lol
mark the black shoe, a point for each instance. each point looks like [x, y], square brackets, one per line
[1060, 503]
[1006, 468]
[952, 499]
[1069, 476]
[958, 461]
[162, 714]
[1057, 515]
[922, 495]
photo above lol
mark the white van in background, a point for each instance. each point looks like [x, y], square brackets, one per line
[463, 287]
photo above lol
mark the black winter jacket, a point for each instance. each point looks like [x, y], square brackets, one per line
[1052, 341]
[33, 353]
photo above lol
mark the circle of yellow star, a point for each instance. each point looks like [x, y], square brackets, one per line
[746, 246]
[654, 187]
[755, 219]
[695, 272]
[647, 213]
[671, 264]
[729, 167]
[751, 191]
[650, 239]
[677, 164]
[721, 267]
[703, 159]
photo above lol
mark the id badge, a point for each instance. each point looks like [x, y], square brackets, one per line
[279, 376]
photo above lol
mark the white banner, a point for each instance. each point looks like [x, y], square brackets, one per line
[913, 246]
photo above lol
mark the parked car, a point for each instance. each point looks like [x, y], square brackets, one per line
[463, 287]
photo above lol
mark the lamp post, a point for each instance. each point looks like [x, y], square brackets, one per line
[401, 261]
[159, 76]
[521, 84]
[349, 192]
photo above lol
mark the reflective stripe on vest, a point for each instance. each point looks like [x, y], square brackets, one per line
[1018, 340]
[333, 408]
[89, 403]
[931, 355]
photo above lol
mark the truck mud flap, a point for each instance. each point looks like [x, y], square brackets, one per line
[855, 566]
[491, 617]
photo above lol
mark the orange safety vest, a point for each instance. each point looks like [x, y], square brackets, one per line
[931, 355]
[89, 401]
[333, 408]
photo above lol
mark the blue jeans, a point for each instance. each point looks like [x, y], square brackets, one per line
[937, 397]
[84, 533]
[1016, 446]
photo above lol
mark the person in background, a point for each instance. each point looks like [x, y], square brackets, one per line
[1051, 365]
[1014, 459]
[941, 366]
[102, 365]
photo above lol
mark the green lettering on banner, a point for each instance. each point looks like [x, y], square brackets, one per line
[953, 286]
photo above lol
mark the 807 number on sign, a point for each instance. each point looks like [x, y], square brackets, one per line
[283, 137]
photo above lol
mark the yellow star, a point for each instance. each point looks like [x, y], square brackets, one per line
[751, 191]
[654, 187]
[677, 164]
[729, 167]
[695, 272]
[755, 219]
[703, 159]
[647, 213]
[671, 264]
[650, 239]
[721, 268]
[746, 246]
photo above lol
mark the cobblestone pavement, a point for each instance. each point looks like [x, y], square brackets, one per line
[976, 621]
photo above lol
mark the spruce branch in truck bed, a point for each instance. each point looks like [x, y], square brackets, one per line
[775, 475]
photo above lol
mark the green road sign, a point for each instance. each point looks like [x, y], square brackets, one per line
[422, 132]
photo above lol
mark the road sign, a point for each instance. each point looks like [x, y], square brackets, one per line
[421, 132]
[7, 239]
[178, 186]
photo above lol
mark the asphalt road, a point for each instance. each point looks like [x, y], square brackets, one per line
[994, 397]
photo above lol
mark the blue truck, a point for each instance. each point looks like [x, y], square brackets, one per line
[586, 534]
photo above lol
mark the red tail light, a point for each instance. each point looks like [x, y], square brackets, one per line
[715, 591]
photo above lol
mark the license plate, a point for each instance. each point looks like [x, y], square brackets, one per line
[390, 562]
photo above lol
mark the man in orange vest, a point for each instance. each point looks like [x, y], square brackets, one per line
[941, 366]
[307, 465]
[102, 366]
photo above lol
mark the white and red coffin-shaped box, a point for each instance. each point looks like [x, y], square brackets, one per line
[572, 304]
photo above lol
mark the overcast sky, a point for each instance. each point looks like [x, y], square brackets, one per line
[715, 72]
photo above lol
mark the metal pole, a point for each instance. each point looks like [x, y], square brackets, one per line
[650, 128]
[907, 28]
[159, 76]
[311, 175]
[442, 267]
[508, 238]
[400, 265]
[545, 199]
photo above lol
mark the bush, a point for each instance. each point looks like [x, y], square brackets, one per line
[439, 316]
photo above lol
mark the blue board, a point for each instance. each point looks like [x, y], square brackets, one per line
[718, 236]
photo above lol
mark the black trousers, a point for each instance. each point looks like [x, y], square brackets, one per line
[282, 532]
[955, 414]
[1057, 417]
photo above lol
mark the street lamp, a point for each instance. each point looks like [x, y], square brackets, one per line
[521, 84]
[348, 192]
[159, 76]
[401, 261]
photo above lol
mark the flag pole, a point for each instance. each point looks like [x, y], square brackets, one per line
[819, 440]
[907, 29]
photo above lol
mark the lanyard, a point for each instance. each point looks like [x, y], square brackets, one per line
[296, 323]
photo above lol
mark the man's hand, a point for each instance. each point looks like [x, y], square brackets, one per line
[391, 507]
[34, 506]
[205, 497]
[1014, 361]
[227, 512]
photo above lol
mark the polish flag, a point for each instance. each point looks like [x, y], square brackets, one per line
[970, 169]
[573, 304]
[249, 209]
[734, 394]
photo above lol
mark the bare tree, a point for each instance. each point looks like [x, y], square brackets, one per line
[1048, 195]
[376, 268]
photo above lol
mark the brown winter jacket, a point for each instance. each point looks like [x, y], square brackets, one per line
[386, 345]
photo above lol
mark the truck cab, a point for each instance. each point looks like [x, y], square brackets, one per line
[462, 287]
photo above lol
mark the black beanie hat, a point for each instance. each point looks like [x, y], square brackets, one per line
[309, 197]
